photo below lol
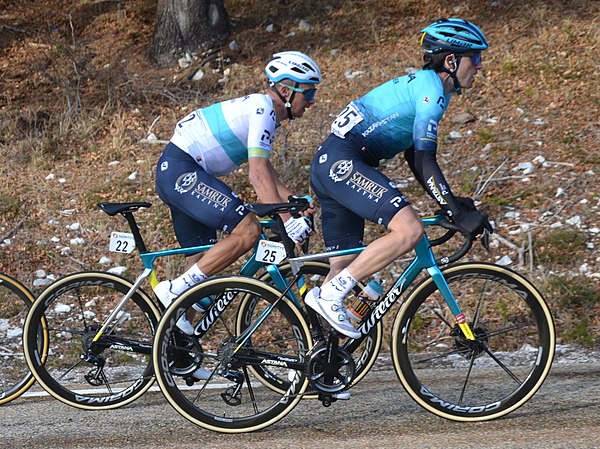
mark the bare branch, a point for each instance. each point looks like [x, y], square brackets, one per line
[13, 231]
[481, 189]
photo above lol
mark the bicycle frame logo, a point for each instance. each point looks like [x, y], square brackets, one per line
[384, 305]
[213, 313]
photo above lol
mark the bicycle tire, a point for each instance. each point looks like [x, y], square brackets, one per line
[510, 360]
[232, 400]
[365, 355]
[15, 302]
[74, 308]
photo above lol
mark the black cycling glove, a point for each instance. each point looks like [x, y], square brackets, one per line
[472, 222]
[465, 203]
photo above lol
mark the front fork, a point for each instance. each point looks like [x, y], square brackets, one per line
[442, 285]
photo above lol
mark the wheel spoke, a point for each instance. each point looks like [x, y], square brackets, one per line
[465, 379]
[117, 365]
[235, 395]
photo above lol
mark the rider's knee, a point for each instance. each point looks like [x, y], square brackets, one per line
[408, 227]
[415, 233]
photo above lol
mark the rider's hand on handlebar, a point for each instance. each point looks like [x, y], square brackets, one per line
[472, 222]
[298, 228]
[465, 203]
[310, 210]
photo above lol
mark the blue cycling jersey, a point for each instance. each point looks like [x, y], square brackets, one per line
[396, 115]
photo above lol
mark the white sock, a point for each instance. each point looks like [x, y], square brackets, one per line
[187, 280]
[339, 286]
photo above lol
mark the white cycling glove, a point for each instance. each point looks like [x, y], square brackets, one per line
[298, 228]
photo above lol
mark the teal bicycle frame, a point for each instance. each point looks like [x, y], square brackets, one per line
[249, 269]
[423, 260]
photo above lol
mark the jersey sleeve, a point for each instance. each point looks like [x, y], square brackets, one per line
[429, 111]
[261, 130]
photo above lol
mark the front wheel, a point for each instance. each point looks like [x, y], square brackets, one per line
[466, 380]
[231, 397]
[103, 374]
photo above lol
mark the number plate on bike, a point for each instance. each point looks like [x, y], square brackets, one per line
[121, 242]
[270, 252]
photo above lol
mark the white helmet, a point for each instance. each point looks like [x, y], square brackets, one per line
[293, 65]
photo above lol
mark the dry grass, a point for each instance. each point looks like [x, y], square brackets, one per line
[78, 94]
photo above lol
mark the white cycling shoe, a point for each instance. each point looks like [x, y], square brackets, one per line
[166, 297]
[333, 311]
[343, 395]
[201, 374]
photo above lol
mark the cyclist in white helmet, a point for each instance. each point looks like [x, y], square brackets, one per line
[213, 141]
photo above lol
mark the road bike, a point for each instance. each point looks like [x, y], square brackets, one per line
[15, 302]
[470, 342]
[100, 326]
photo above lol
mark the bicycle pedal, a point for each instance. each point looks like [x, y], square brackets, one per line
[326, 400]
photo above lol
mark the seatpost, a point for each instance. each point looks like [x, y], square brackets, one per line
[137, 236]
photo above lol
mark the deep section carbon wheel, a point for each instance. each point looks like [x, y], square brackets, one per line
[481, 379]
[77, 367]
[232, 398]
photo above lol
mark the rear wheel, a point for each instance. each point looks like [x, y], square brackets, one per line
[481, 379]
[233, 398]
[108, 373]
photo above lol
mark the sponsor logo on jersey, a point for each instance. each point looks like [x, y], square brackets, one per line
[266, 139]
[186, 182]
[442, 102]
[366, 186]
[383, 122]
[426, 100]
[164, 166]
[340, 170]
[208, 194]
[432, 128]
[260, 111]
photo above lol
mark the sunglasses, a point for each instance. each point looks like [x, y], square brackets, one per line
[309, 94]
[475, 58]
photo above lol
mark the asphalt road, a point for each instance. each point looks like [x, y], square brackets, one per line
[565, 413]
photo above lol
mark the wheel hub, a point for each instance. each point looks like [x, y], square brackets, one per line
[470, 349]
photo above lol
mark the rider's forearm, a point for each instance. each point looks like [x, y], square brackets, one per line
[266, 183]
[427, 171]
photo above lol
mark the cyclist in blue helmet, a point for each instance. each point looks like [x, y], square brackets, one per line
[399, 116]
[212, 142]
[454, 38]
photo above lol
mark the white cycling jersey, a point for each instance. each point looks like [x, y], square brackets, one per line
[224, 135]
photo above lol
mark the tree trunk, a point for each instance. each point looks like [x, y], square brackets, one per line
[187, 26]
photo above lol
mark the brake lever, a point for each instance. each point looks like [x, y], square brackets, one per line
[485, 240]
[306, 241]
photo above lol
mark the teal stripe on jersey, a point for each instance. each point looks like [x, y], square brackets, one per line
[234, 147]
